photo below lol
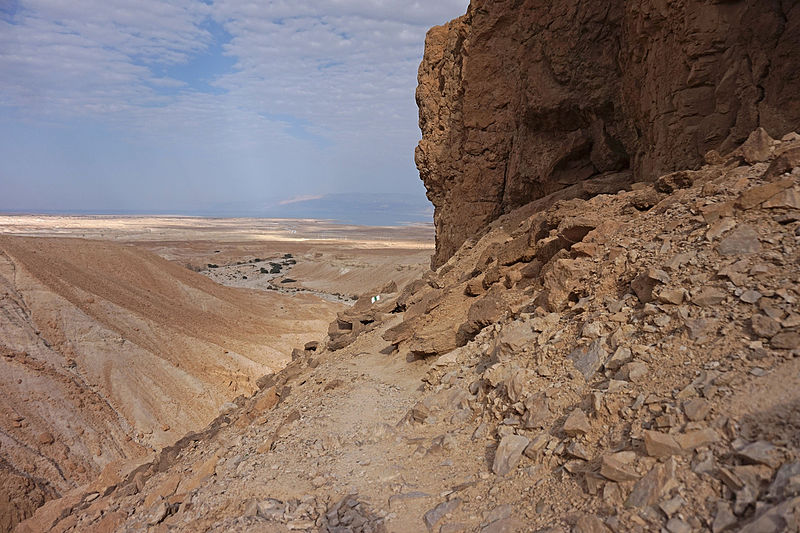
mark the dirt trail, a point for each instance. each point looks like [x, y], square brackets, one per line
[623, 363]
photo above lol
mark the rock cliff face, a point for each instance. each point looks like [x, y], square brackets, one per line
[522, 98]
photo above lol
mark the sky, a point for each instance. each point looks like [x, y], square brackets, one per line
[208, 106]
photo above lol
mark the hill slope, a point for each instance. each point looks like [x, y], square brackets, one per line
[110, 353]
[624, 363]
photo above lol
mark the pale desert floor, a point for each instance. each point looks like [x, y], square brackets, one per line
[334, 261]
[118, 335]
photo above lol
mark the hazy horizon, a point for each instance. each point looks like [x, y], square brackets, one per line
[191, 107]
[359, 208]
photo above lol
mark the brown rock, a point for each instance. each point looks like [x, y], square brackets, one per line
[760, 452]
[672, 182]
[660, 444]
[45, 438]
[474, 287]
[696, 409]
[589, 359]
[435, 515]
[645, 282]
[742, 240]
[787, 340]
[757, 195]
[786, 199]
[577, 424]
[584, 109]
[614, 468]
[590, 524]
[671, 296]
[764, 326]
[724, 519]
[758, 146]
[786, 162]
[708, 296]
[696, 439]
[509, 453]
[652, 487]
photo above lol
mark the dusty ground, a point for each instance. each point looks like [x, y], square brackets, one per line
[626, 363]
[110, 352]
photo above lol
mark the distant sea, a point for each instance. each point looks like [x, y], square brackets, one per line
[363, 209]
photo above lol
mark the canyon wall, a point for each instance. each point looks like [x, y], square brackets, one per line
[523, 98]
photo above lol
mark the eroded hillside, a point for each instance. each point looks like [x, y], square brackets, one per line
[623, 363]
[108, 353]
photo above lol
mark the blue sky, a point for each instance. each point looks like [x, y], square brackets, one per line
[187, 105]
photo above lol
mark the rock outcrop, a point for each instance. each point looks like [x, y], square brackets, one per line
[522, 99]
[563, 372]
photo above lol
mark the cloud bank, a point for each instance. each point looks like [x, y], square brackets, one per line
[126, 103]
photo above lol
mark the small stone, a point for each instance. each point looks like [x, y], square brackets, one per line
[300, 525]
[787, 340]
[662, 321]
[576, 449]
[786, 199]
[744, 499]
[671, 296]
[577, 424]
[724, 520]
[155, 515]
[634, 371]
[758, 146]
[676, 525]
[590, 524]
[45, 438]
[588, 359]
[730, 479]
[509, 453]
[782, 164]
[760, 452]
[537, 445]
[708, 296]
[764, 326]
[696, 439]
[742, 240]
[701, 330]
[435, 515]
[782, 486]
[755, 196]
[651, 488]
[719, 227]
[621, 356]
[672, 506]
[504, 525]
[611, 467]
[660, 444]
[750, 297]
[696, 409]
[646, 281]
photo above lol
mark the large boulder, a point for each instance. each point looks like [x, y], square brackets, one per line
[522, 99]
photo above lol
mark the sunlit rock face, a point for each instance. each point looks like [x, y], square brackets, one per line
[520, 99]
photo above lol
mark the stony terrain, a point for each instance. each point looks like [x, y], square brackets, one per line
[108, 353]
[521, 99]
[629, 362]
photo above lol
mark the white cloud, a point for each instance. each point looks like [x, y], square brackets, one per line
[337, 75]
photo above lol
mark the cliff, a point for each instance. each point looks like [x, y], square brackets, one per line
[521, 99]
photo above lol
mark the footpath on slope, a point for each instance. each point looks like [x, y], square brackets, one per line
[630, 362]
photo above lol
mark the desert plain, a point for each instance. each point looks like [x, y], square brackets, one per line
[121, 334]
